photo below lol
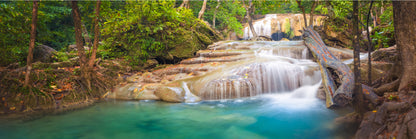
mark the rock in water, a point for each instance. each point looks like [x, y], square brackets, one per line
[43, 53]
[170, 94]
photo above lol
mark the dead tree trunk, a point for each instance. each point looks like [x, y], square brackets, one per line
[337, 77]
[32, 42]
[404, 29]
[201, 12]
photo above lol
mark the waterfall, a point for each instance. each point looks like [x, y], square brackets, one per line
[262, 27]
[281, 67]
[266, 26]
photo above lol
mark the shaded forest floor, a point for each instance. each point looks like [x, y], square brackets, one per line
[57, 87]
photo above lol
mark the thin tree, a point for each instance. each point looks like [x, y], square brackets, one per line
[201, 12]
[249, 11]
[405, 33]
[215, 13]
[185, 4]
[303, 11]
[311, 13]
[32, 42]
[79, 43]
[357, 95]
[96, 35]
[370, 45]
[86, 69]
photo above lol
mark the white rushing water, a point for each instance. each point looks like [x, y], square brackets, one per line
[262, 27]
[277, 68]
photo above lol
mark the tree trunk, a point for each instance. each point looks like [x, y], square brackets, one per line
[311, 14]
[185, 4]
[337, 77]
[201, 12]
[215, 13]
[404, 29]
[357, 96]
[303, 12]
[249, 11]
[32, 42]
[96, 35]
[370, 45]
[374, 19]
[86, 36]
[79, 43]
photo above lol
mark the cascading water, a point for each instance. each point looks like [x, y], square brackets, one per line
[277, 67]
[262, 28]
[271, 25]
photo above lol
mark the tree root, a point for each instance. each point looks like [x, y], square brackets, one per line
[389, 87]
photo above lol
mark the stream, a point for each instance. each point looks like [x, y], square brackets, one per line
[296, 114]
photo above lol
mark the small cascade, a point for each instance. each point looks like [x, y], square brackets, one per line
[280, 67]
[260, 78]
[262, 28]
[270, 26]
[305, 53]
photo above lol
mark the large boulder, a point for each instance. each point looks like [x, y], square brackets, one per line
[170, 94]
[135, 92]
[188, 42]
[43, 53]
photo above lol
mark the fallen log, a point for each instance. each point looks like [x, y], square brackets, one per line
[337, 77]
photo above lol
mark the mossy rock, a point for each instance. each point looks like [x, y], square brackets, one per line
[188, 42]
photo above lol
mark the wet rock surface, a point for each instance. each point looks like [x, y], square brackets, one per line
[225, 70]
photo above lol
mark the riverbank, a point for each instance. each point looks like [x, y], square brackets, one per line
[57, 87]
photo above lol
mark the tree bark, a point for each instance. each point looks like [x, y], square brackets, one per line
[96, 35]
[32, 42]
[337, 77]
[249, 11]
[370, 45]
[185, 4]
[86, 36]
[201, 12]
[215, 13]
[311, 14]
[357, 96]
[79, 42]
[404, 29]
[303, 12]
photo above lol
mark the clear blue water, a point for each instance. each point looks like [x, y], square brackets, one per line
[287, 115]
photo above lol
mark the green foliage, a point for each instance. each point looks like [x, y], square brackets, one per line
[342, 9]
[15, 22]
[288, 30]
[54, 28]
[145, 29]
[383, 35]
[228, 17]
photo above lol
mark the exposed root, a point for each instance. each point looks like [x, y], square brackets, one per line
[389, 87]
